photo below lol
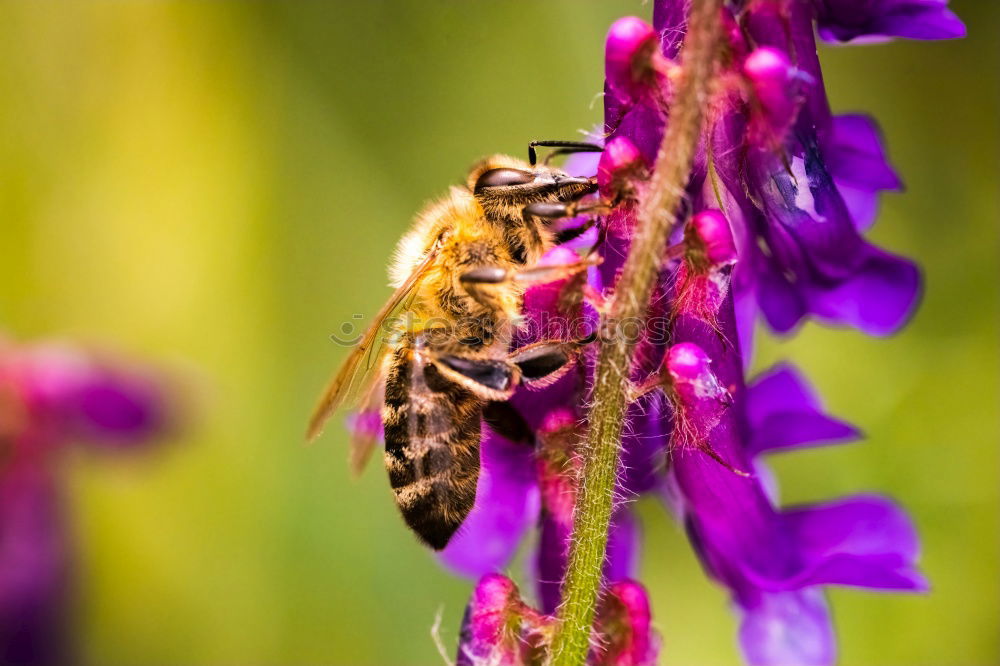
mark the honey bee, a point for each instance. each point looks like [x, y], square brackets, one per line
[460, 275]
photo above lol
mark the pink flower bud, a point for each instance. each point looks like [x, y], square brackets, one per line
[687, 362]
[488, 630]
[620, 166]
[632, 58]
[624, 625]
[699, 399]
[690, 372]
[773, 79]
[498, 627]
[709, 236]
[702, 285]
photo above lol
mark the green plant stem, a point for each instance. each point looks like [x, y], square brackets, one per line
[655, 220]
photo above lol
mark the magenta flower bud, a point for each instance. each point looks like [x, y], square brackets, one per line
[498, 628]
[492, 601]
[624, 626]
[690, 369]
[633, 61]
[699, 399]
[703, 279]
[772, 77]
[710, 237]
[620, 166]
[489, 629]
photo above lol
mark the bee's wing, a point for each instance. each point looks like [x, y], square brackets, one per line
[429, 420]
[346, 378]
[366, 429]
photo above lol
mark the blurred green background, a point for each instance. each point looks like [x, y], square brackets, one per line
[218, 185]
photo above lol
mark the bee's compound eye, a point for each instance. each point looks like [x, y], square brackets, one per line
[503, 177]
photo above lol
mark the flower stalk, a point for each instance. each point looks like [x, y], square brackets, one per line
[656, 219]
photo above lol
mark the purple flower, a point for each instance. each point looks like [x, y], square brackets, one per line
[799, 184]
[783, 412]
[796, 186]
[772, 559]
[779, 196]
[50, 397]
[624, 623]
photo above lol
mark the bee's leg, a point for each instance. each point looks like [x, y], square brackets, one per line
[488, 378]
[480, 284]
[563, 147]
[475, 279]
[542, 363]
[552, 272]
[554, 210]
[495, 379]
[567, 235]
[558, 210]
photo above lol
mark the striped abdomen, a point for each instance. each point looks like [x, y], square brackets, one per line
[432, 429]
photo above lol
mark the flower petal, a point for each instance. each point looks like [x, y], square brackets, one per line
[866, 541]
[553, 551]
[781, 304]
[878, 300]
[859, 165]
[788, 629]
[854, 153]
[845, 20]
[112, 408]
[644, 446]
[507, 505]
[550, 562]
[623, 546]
[783, 412]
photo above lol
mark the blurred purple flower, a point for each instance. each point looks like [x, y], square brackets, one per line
[34, 567]
[51, 396]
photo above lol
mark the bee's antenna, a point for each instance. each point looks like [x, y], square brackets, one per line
[564, 146]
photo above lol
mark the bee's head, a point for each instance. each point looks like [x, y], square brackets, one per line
[504, 184]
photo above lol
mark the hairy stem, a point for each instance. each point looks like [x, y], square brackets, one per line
[655, 220]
